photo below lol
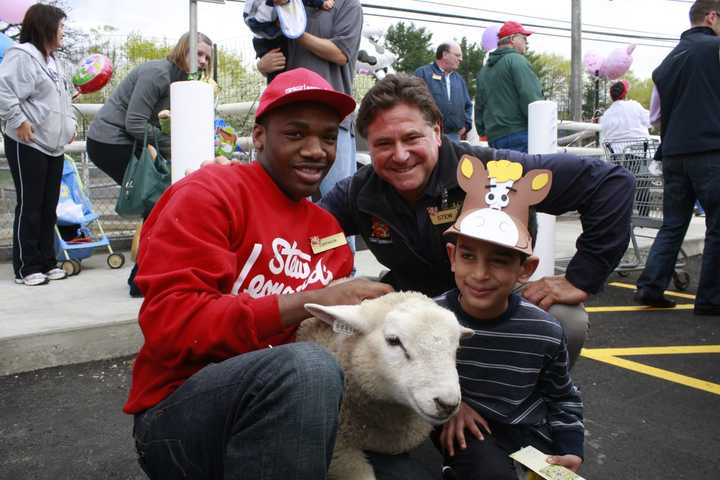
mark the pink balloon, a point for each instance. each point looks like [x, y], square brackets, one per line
[490, 38]
[617, 63]
[13, 11]
[593, 62]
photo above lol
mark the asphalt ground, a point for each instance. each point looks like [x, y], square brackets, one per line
[649, 414]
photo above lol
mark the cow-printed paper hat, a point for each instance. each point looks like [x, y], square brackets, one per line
[498, 200]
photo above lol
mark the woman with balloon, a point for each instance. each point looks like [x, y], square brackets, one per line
[38, 122]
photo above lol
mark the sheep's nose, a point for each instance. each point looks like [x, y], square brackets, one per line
[446, 408]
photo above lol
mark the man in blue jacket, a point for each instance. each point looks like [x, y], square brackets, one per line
[449, 90]
[687, 83]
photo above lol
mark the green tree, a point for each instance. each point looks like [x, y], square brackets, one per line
[411, 45]
[139, 49]
[640, 90]
[473, 57]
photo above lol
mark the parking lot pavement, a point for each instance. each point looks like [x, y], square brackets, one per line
[649, 413]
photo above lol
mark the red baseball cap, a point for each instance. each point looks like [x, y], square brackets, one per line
[303, 85]
[511, 28]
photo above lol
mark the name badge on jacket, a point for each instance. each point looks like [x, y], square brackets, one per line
[438, 217]
[319, 245]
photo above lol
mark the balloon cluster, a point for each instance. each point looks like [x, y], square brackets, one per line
[490, 38]
[5, 43]
[13, 11]
[614, 66]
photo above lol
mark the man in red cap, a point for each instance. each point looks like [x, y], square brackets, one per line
[505, 87]
[229, 257]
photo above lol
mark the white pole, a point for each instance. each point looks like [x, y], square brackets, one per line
[192, 116]
[542, 139]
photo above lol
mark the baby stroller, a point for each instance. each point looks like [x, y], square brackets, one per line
[74, 238]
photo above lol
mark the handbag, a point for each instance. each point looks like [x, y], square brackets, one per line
[145, 179]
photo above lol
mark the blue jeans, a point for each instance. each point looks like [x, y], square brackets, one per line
[269, 414]
[687, 178]
[454, 136]
[515, 141]
[345, 166]
[345, 163]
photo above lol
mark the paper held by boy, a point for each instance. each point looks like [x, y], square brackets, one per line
[535, 460]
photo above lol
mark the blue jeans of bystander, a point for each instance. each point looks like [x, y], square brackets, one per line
[517, 141]
[454, 136]
[687, 178]
[345, 163]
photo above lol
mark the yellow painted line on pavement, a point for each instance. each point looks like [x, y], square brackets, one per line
[669, 293]
[683, 350]
[611, 356]
[637, 308]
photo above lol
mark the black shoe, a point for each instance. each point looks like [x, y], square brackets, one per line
[135, 291]
[644, 297]
[707, 310]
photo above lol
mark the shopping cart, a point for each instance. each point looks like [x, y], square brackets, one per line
[636, 155]
[78, 230]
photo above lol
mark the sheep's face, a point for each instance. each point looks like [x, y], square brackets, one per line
[402, 350]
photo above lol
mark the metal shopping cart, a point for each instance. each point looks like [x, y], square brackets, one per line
[636, 155]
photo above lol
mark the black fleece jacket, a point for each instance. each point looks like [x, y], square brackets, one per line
[404, 240]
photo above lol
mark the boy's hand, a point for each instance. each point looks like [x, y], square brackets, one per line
[571, 462]
[352, 292]
[548, 291]
[454, 429]
[328, 4]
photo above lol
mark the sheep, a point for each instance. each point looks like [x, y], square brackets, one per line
[398, 355]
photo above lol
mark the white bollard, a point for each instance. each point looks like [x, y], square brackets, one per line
[542, 139]
[192, 132]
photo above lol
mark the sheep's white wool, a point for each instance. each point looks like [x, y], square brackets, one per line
[400, 374]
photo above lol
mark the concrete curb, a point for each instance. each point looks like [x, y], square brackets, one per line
[67, 346]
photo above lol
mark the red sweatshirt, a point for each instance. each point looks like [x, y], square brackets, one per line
[217, 250]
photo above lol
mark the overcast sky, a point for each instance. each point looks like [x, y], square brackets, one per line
[224, 23]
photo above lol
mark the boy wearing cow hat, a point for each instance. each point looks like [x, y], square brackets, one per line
[514, 377]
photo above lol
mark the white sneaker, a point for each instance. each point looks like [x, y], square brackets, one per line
[33, 279]
[56, 274]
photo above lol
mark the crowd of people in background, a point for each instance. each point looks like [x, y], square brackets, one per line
[219, 381]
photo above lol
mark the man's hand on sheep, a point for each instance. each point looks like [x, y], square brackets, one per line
[352, 292]
[572, 462]
[548, 291]
[454, 429]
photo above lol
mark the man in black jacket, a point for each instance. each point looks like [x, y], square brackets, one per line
[403, 202]
[687, 83]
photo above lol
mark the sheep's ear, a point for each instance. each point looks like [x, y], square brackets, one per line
[343, 318]
[466, 332]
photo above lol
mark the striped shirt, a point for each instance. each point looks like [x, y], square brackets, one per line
[514, 371]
